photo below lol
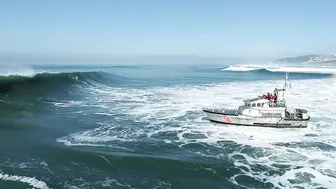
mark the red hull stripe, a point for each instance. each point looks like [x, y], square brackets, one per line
[227, 119]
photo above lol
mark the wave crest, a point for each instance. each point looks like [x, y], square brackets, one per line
[241, 68]
[15, 83]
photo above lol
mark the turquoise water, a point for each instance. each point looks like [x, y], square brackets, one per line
[143, 127]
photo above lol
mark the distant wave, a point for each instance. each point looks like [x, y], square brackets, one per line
[44, 82]
[242, 68]
[313, 70]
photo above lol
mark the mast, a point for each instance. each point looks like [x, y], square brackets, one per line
[284, 89]
[282, 100]
[286, 77]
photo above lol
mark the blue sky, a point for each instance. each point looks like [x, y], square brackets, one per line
[244, 28]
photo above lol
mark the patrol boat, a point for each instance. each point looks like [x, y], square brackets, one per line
[262, 112]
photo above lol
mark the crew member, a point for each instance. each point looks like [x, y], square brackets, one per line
[275, 97]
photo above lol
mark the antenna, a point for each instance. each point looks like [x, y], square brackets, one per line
[284, 89]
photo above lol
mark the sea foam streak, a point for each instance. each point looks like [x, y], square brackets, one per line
[31, 181]
[178, 110]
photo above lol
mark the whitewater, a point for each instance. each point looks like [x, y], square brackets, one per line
[289, 69]
[143, 127]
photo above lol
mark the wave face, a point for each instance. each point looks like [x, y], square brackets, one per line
[54, 81]
[143, 127]
[16, 83]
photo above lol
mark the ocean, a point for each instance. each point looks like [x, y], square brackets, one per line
[142, 127]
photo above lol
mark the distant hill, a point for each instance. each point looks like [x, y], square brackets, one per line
[315, 58]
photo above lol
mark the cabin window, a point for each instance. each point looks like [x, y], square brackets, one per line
[262, 105]
[258, 105]
[253, 105]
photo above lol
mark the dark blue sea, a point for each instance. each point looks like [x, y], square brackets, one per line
[142, 127]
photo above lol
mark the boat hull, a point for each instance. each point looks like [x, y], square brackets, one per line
[256, 121]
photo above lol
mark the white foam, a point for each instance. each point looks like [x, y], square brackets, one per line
[70, 103]
[109, 183]
[178, 110]
[319, 178]
[28, 180]
[242, 68]
[149, 105]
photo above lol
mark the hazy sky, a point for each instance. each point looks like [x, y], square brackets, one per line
[250, 28]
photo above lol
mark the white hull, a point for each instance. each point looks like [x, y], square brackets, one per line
[264, 111]
[256, 121]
